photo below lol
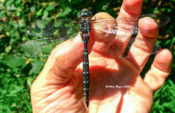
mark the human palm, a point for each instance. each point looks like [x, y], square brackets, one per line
[115, 82]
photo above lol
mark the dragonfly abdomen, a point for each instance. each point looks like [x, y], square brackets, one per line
[86, 74]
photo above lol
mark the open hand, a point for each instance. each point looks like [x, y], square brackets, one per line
[115, 82]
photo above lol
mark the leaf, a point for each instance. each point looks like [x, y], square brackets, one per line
[167, 42]
[14, 61]
[51, 7]
[10, 6]
[33, 9]
[45, 14]
[36, 67]
[39, 13]
[65, 12]
[173, 40]
[4, 108]
[69, 1]
[155, 11]
[21, 23]
[40, 23]
[29, 81]
[105, 7]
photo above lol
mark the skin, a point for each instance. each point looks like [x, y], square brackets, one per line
[115, 82]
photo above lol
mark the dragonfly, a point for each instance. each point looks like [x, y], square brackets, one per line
[85, 26]
[46, 34]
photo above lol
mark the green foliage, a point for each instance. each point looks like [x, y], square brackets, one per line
[18, 69]
[166, 101]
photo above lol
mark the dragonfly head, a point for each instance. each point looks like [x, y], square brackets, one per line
[85, 13]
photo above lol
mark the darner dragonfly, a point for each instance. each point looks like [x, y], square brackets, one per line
[85, 26]
[46, 34]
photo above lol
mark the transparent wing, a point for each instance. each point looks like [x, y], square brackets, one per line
[53, 28]
[156, 48]
[130, 26]
[38, 48]
[46, 34]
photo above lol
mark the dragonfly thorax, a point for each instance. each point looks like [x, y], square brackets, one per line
[85, 28]
[85, 24]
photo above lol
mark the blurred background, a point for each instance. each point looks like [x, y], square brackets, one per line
[18, 69]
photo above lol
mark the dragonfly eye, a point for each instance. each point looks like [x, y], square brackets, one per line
[85, 13]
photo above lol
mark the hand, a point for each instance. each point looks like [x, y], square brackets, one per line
[59, 86]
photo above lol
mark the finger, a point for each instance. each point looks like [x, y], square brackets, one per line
[103, 40]
[159, 71]
[63, 61]
[143, 45]
[127, 19]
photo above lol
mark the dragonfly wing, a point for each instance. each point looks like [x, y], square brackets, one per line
[46, 34]
[53, 28]
[113, 26]
[156, 47]
[37, 48]
[160, 19]
[130, 27]
[104, 25]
